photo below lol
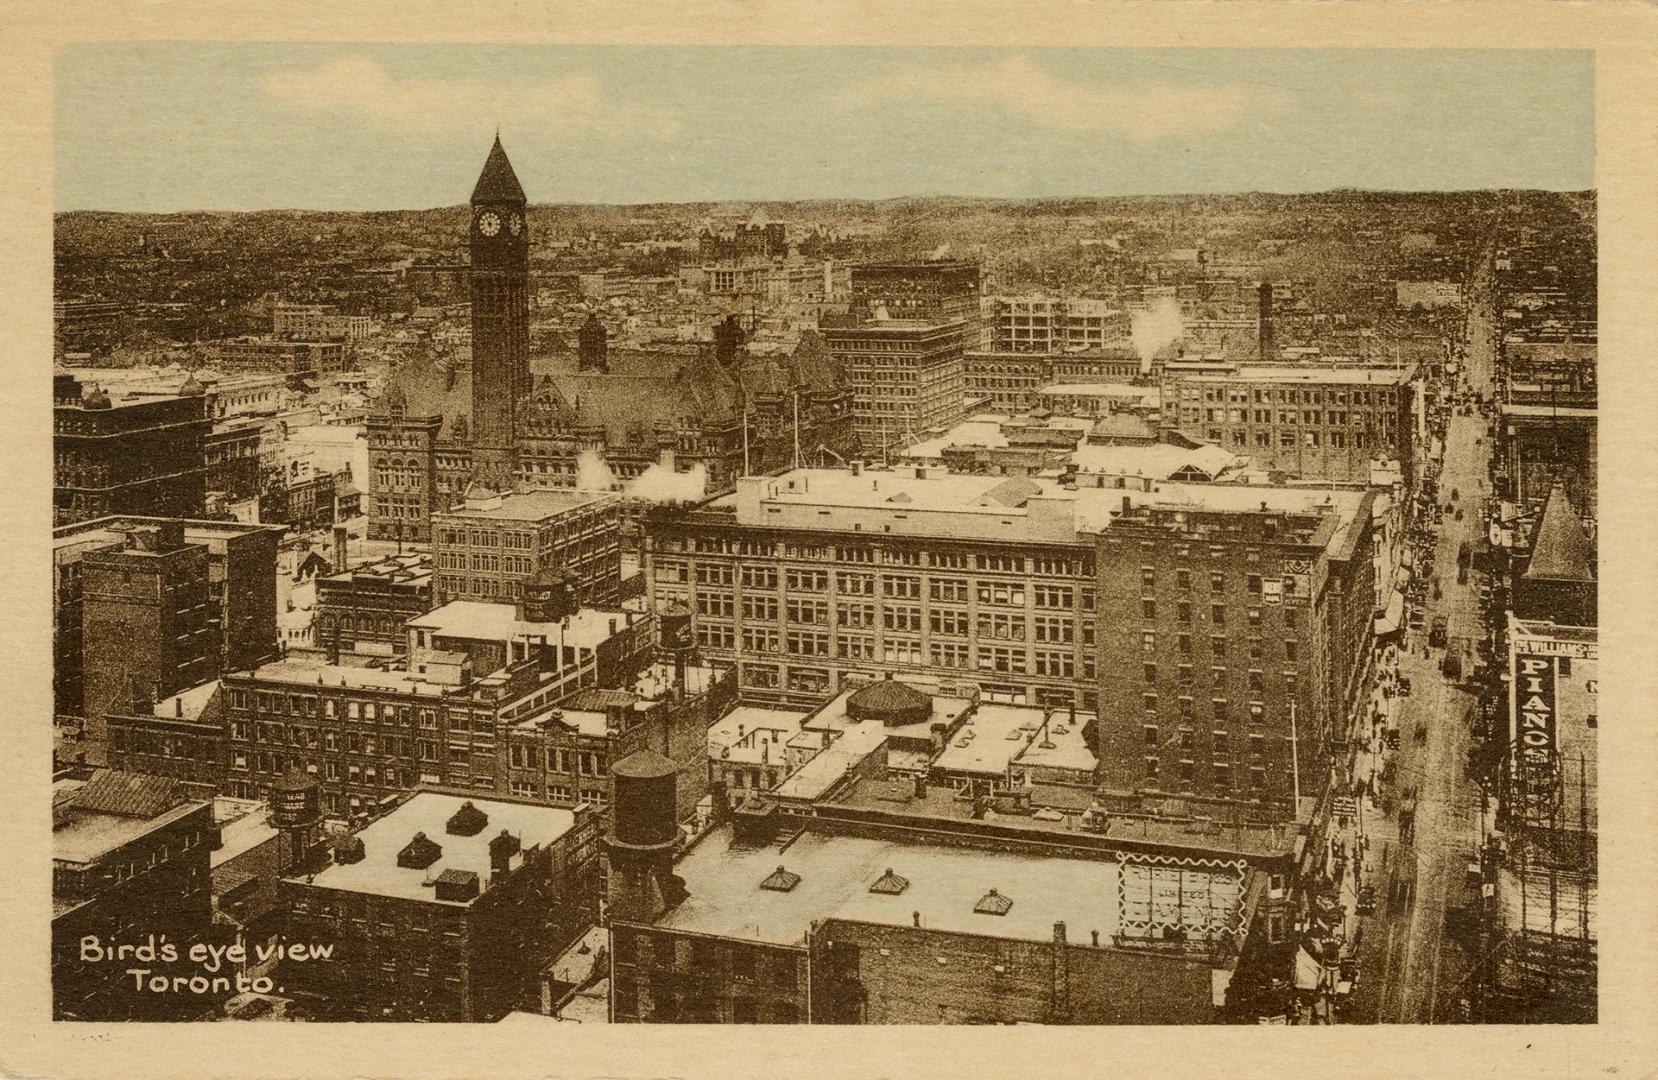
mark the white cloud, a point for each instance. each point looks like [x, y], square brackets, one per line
[574, 104]
[1019, 85]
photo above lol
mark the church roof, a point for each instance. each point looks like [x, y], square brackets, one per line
[1560, 552]
[497, 183]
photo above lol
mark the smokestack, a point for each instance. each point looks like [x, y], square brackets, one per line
[340, 537]
[1266, 345]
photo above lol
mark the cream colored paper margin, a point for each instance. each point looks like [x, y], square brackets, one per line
[1623, 35]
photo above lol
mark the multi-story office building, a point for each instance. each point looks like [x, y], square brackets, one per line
[146, 626]
[281, 354]
[1027, 592]
[130, 861]
[1010, 381]
[231, 455]
[806, 580]
[366, 607]
[1313, 423]
[445, 909]
[239, 584]
[940, 291]
[1236, 648]
[126, 456]
[906, 377]
[485, 548]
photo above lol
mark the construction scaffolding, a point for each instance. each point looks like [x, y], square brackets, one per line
[1539, 894]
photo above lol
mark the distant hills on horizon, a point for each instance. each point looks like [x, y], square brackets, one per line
[1067, 204]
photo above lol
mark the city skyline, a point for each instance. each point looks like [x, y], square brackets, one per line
[169, 127]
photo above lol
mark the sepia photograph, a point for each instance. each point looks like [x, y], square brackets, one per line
[552, 534]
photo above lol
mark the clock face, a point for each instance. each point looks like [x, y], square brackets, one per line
[489, 223]
[516, 224]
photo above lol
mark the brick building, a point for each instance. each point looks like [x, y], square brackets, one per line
[1009, 381]
[906, 377]
[121, 456]
[806, 581]
[887, 916]
[484, 549]
[445, 909]
[282, 354]
[146, 629]
[234, 563]
[1311, 423]
[1238, 649]
[542, 725]
[366, 607]
[130, 859]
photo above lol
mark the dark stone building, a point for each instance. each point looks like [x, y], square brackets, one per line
[446, 909]
[112, 456]
[130, 866]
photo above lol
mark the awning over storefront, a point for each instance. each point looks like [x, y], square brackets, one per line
[1393, 616]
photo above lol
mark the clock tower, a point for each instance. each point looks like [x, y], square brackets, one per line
[499, 242]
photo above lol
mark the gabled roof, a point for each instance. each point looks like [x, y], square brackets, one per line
[1560, 552]
[498, 183]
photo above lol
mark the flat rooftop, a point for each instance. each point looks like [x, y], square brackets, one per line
[1155, 461]
[474, 621]
[1309, 374]
[989, 739]
[1102, 389]
[739, 735]
[319, 673]
[414, 568]
[920, 501]
[243, 824]
[429, 812]
[527, 505]
[836, 872]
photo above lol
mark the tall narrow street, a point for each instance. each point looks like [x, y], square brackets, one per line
[1415, 970]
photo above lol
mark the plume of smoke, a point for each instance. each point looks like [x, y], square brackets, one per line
[940, 251]
[660, 483]
[592, 474]
[1155, 328]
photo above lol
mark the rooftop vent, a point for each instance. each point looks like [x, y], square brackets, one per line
[467, 821]
[993, 903]
[457, 885]
[349, 849]
[780, 880]
[419, 853]
[503, 848]
[890, 884]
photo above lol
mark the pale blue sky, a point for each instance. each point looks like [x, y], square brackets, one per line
[183, 126]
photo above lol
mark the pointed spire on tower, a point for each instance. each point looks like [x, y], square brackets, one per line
[498, 183]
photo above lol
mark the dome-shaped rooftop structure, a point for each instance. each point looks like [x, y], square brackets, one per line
[891, 702]
[192, 387]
